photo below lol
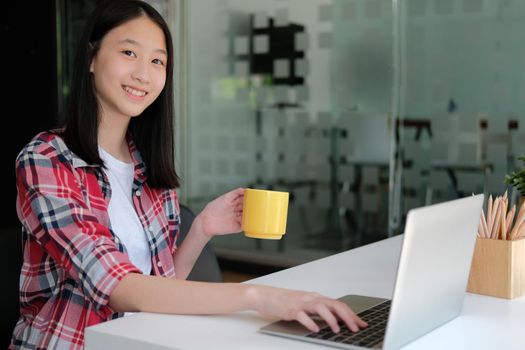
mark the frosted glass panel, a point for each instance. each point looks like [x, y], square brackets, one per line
[328, 99]
[272, 84]
[460, 96]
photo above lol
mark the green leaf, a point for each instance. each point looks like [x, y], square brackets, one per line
[517, 177]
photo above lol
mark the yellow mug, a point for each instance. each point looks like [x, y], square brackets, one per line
[264, 213]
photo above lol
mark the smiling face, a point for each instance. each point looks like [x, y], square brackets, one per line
[129, 69]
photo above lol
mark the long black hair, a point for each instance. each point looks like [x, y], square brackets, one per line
[152, 131]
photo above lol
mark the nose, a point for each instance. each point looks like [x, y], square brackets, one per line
[141, 71]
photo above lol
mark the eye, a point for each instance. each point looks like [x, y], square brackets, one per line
[158, 61]
[129, 53]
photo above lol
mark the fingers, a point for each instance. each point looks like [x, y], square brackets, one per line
[331, 310]
[323, 311]
[301, 306]
[348, 316]
[237, 194]
[306, 321]
[238, 210]
[239, 190]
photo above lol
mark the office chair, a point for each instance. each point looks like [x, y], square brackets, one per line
[206, 268]
[11, 262]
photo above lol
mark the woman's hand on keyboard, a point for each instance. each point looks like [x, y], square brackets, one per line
[290, 305]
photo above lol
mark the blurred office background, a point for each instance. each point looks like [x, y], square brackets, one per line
[361, 109]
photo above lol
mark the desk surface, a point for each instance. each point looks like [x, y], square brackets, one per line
[485, 322]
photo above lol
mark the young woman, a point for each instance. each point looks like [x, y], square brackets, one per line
[98, 205]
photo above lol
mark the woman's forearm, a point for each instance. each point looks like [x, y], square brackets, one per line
[137, 292]
[190, 249]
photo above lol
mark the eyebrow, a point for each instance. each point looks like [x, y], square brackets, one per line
[136, 43]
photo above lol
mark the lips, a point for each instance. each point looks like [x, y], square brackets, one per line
[134, 92]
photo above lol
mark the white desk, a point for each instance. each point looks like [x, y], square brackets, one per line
[485, 322]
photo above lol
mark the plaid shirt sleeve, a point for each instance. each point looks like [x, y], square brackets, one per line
[55, 212]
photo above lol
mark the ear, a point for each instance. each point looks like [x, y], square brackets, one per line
[91, 69]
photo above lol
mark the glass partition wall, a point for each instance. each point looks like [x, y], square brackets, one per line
[293, 96]
[461, 98]
[361, 109]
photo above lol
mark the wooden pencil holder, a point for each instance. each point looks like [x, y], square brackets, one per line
[498, 268]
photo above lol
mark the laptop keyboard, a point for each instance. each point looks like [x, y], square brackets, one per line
[376, 317]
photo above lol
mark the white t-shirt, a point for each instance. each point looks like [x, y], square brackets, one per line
[122, 215]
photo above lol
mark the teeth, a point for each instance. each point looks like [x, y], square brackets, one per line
[134, 92]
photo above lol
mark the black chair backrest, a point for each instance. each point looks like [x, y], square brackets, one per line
[11, 262]
[206, 268]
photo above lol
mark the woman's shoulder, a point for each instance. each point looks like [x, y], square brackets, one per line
[47, 143]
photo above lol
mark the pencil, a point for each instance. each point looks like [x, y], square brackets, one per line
[503, 234]
[494, 216]
[514, 231]
[497, 226]
[489, 213]
[519, 231]
[509, 221]
[519, 219]
[484, 223]
[521, 212]
[480, 229]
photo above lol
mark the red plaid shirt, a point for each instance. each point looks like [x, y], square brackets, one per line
[72, 258]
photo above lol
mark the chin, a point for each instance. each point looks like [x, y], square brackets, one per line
[135, 109]
[134, 112]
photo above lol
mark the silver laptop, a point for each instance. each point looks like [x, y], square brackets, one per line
[430, 286]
